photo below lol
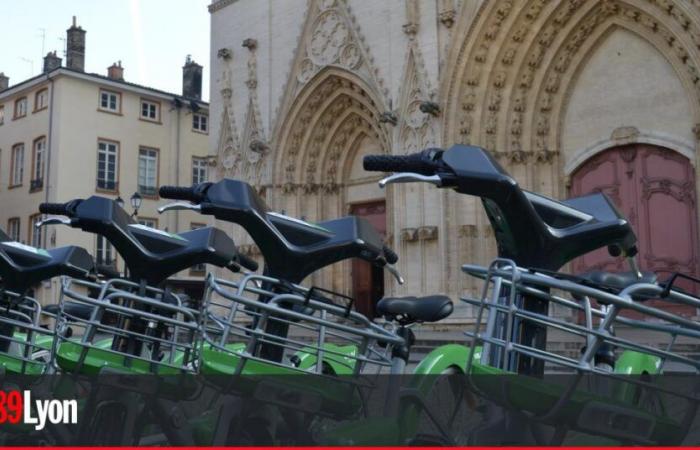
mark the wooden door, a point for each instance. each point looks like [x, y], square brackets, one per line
[367, 279]
[654, 188]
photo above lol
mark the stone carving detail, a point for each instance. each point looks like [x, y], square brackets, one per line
[531, 69]
[331, 37]
[417, 110]
[228, 153]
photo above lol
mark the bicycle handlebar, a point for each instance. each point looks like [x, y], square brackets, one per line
[247, 262]
[423, 162]
[194, 194]
[390, 256]
[59, 209]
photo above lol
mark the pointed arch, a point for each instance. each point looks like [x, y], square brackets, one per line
[540, 45]
[313, 131]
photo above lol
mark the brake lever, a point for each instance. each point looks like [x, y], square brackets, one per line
[53, 221]
[409, 177]
[392, 270]
[178, 206]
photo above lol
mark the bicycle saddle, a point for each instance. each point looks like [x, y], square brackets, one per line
[430, 308]
[79, 310]
[150, 254]
[23, 266]
[617, 280]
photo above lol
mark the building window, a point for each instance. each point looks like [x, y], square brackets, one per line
[200, 122]
[110, 101]
[41, 100]
[20, 107]
[17, 165]
[13, 228]
[200, 168]
[104, 252]
[2, 114]
[34, 232]
[148, 171]
[38, 163]
[150, 110]
[107, 157]
[197, 269]
[148, 222]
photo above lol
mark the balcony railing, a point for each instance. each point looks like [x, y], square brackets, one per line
[107, 185]
[149, 191]
[36, 185]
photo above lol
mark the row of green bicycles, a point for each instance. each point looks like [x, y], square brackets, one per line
[264, 358]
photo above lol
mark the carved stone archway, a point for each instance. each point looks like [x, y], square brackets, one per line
[317, 144]
[509, 75]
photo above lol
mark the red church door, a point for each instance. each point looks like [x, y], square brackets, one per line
[654, 188]
[367, 279]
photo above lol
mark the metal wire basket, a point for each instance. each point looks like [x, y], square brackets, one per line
[25, 346]
[265, 326]
[626, 398]
[131, 328]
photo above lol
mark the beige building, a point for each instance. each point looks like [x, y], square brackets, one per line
[571, 95]
[69, 134]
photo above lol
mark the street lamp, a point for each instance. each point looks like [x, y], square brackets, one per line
[136, 200]
[120, 202]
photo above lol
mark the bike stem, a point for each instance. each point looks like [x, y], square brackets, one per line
[399, 360]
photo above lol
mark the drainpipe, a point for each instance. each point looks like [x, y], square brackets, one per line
[47, 175]
[177, 166]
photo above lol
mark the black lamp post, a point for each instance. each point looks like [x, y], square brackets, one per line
[136, 200]
[120, 201]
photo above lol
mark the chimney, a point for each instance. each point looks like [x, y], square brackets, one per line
[51, 62]
[191, 79]
[4, 82]
[75, 54]
[116, 71]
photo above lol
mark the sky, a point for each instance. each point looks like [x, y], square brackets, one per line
[151, 37]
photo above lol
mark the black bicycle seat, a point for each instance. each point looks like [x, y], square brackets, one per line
[430, 308]
[617, 280]
[22, 266]
[72, 309]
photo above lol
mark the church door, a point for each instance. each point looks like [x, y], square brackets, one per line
[367, 279]
[654, 188]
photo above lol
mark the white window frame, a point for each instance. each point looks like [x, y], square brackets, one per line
[152, 114]
[14, 225]
[200, 122]
[34, 232]
[148, 171]
[110, 150]
[21, 107]
[41, 99]
[2, 114]
[109, 96]
[148, 222]
[17, 165]
[39, 159]
[200, 170]
[104, 252]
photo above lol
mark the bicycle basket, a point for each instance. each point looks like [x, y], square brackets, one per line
[128, 328]
[264, 326]
[25, 346]
[609, 366]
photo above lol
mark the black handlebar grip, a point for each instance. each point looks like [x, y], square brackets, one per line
[58, 209]
[189, 193]
[421, 163]
[390, 255]
[248, 263]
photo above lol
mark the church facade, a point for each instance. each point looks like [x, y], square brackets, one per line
[571, 96]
